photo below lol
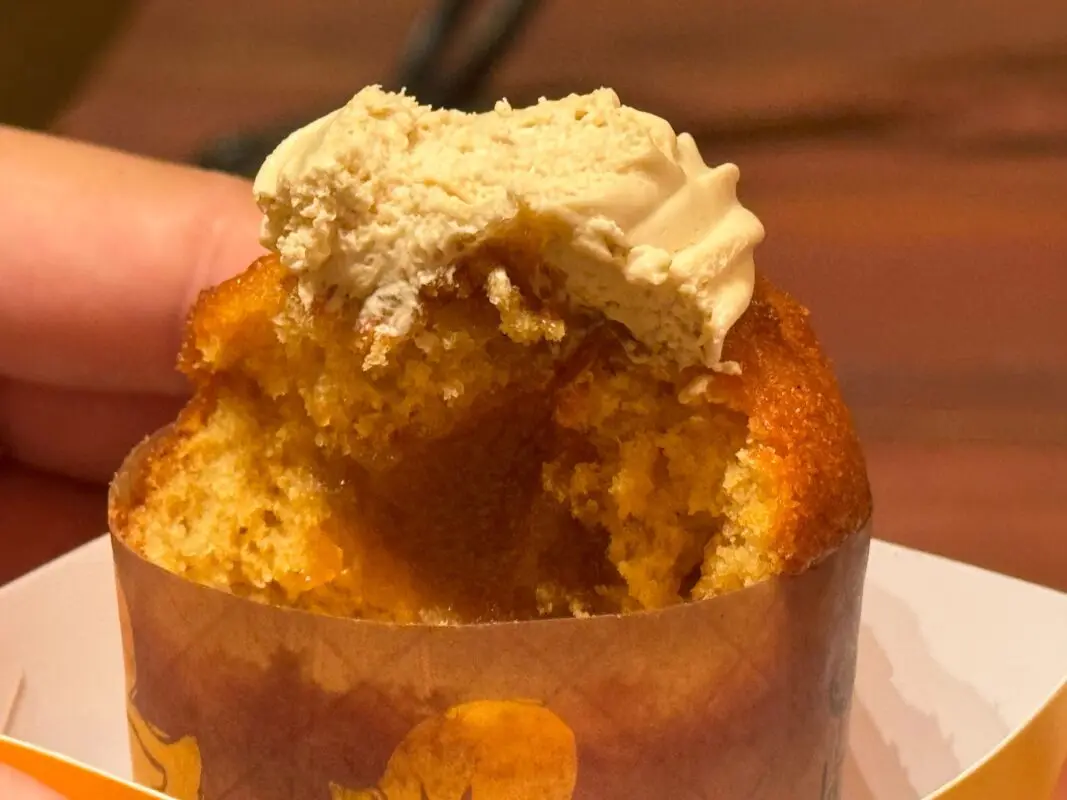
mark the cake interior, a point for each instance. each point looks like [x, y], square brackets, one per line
[510, 458]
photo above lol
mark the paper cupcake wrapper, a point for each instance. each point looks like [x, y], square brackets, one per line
[1025, 765]
[745, 695]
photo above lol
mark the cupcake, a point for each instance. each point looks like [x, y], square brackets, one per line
[506, 377]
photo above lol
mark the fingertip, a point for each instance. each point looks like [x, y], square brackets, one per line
[103, 254]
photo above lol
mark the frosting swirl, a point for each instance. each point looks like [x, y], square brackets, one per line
[378, 198]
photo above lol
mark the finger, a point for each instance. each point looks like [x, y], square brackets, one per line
[44, 516]
[101, 254]
[77, 433]
[16, 786]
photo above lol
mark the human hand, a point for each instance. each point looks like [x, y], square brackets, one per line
[101, 255]
[16, 786]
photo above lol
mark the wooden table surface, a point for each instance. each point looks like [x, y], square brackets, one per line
[908, 159]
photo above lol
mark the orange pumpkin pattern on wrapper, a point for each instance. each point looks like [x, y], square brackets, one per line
[164, 763]
[513, 749]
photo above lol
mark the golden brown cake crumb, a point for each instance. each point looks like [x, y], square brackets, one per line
[506, 458]
[500, 366]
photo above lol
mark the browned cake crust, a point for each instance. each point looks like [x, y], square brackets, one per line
[632, 486]
[788, 390]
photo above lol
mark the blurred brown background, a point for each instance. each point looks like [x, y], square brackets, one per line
[909, 160]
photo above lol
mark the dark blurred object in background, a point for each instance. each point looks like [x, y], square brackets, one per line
[47, 49]
[448, 60]
[450, 56]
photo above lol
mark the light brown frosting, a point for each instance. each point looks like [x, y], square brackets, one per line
[377, 199]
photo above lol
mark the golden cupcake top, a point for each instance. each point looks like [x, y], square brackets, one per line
[376, 201]
[425, 406]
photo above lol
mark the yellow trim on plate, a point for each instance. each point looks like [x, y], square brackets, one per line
[67, 777]
[1025, 766]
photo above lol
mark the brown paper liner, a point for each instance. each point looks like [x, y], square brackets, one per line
[742, 696]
